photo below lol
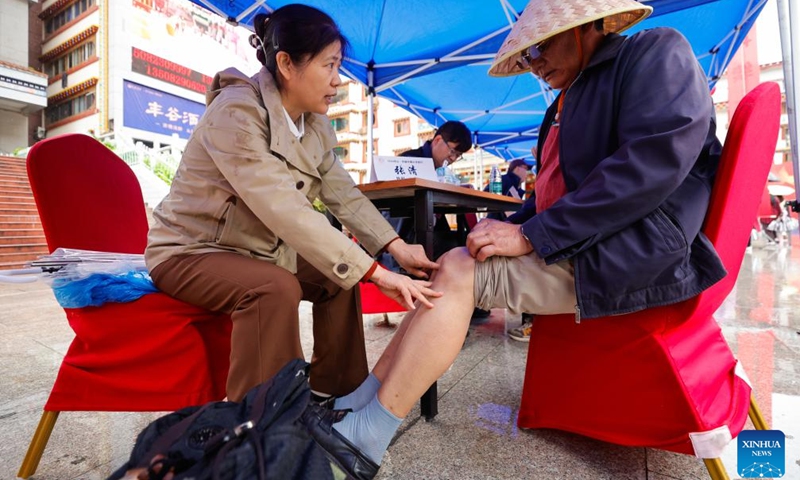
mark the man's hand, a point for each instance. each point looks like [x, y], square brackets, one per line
[402, 289]
[492, 237]
[412, 258]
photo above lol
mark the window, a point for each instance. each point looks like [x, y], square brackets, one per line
[71, 107]
[402, 127]
[342, 94]
[67, 15]
[366, 150]
[784, 132]
[365, 120]
[339, 124]
[71, 59]
[342, 154]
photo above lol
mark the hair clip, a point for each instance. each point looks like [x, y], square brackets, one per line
[254, 40]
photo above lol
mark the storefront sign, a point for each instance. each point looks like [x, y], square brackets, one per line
[159, 112]
[162, 69]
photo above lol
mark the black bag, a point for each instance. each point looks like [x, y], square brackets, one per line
[261, 437]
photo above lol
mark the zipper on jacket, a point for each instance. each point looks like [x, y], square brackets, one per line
[577, 314]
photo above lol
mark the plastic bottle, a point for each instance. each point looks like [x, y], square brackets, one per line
[495, 181]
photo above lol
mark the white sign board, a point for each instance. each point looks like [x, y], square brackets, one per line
[396, 168]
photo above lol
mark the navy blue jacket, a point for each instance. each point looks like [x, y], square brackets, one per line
[638, 153]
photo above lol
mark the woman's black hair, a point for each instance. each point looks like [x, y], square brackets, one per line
[299, 30]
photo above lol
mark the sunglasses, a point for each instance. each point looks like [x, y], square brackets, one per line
[527, 57]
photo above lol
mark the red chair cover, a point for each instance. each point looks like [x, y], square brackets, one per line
[374, 301]
[155, 353]
[662, 377]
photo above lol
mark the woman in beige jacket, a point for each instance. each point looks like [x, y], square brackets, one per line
[238, 233]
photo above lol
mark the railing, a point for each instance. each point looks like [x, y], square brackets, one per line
[162, 161]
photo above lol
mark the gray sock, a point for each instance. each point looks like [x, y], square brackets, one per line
[360, 397]
[370, 429]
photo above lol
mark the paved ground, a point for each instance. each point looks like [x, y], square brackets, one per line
[475, 434]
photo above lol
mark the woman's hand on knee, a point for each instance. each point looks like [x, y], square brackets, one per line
[404, 290]
[412, 258]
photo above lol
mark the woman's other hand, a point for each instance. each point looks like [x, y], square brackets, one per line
[402, 289]
[412, 258]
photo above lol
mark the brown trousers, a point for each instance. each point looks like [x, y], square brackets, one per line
[263, 300]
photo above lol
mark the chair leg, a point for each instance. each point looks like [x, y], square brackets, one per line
[38, 444]
[716, 470]
[755, 415]
[385, 322]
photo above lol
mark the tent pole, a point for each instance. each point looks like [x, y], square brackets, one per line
[370, 119]
[789, 22]
[476, 147]
[479, 186]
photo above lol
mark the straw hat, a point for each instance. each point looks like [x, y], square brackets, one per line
[542, 19]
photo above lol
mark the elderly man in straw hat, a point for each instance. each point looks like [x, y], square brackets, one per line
[627, 156]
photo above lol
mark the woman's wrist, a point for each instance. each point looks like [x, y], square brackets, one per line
[386, 247]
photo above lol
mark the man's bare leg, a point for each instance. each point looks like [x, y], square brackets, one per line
[364, 393]
[422, 350]
[433, 337]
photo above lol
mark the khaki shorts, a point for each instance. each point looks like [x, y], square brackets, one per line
[525, 285]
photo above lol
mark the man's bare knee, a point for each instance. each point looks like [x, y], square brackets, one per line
[456, 268]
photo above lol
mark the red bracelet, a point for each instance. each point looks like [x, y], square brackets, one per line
[369, 273]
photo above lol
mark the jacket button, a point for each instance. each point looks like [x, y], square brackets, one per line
[300, 184]
[342, 269]
[546, 249]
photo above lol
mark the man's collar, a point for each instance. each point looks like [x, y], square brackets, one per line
[427, 149]
[607, 50]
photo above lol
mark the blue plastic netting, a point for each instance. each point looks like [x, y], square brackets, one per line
[100, 288]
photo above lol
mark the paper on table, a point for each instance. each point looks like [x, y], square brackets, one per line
[396, 168]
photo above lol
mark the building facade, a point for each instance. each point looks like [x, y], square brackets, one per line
[22, 86]
[138, 68]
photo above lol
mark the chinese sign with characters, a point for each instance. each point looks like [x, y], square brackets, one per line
[159, 112]
[396, 168]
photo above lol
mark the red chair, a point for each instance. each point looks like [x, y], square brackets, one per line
[153, 354]
[663, 377]
[374, 301]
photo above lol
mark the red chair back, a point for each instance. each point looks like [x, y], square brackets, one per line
[740, 183]
[86, 196]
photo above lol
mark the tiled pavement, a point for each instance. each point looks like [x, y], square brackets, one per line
[475, 434]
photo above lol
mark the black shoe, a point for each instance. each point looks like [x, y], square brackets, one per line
[319, 422]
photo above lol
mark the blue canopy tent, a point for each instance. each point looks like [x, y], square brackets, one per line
[431, 57]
